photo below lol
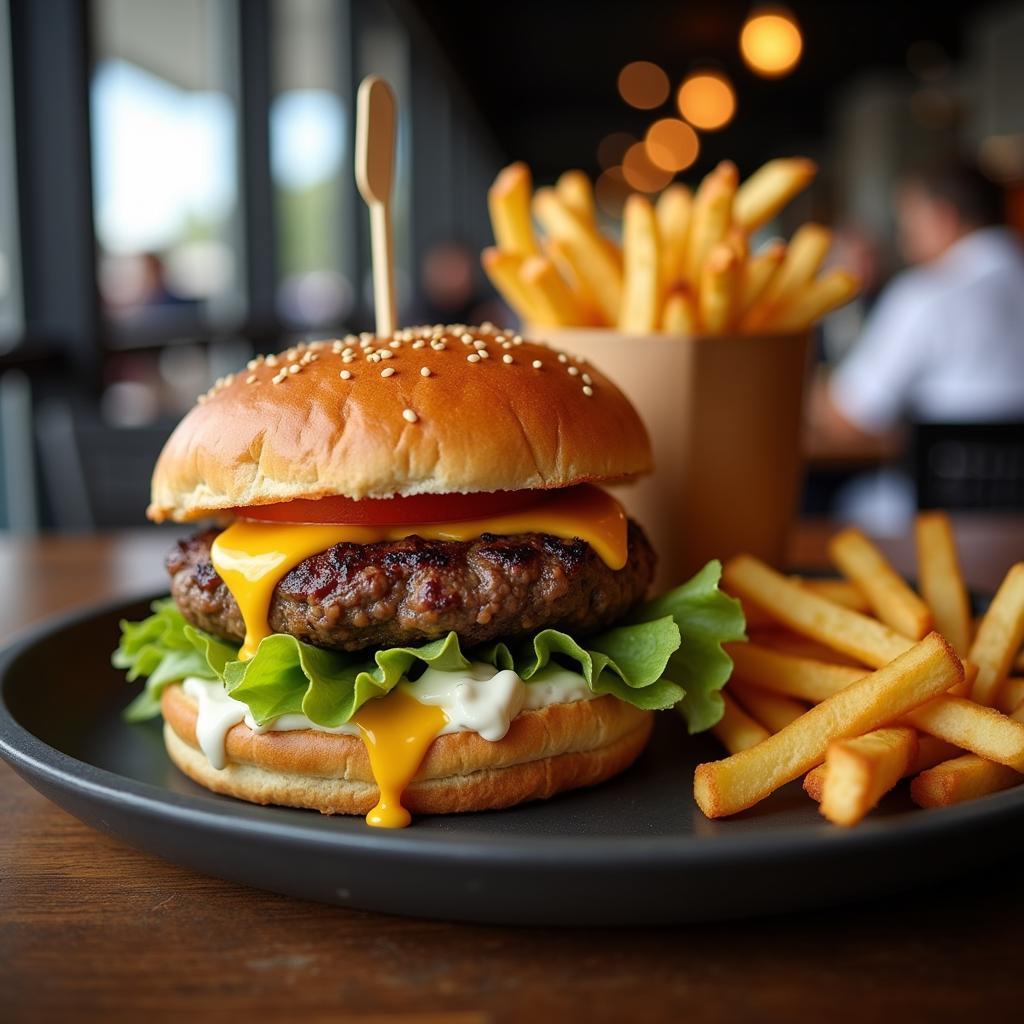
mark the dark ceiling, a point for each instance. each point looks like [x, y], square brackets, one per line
[544, 71]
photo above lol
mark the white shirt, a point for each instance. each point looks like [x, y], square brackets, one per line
[945, 342]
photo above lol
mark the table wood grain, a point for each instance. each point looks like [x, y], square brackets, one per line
[91, 930]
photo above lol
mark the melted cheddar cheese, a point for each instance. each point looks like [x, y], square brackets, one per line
[397, 730]
[251, 558]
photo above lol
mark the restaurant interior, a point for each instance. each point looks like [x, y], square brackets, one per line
[191, 200]
[666, 355]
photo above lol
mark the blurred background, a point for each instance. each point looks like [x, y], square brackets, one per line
[176, 192]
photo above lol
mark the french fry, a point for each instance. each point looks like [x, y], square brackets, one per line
[508, 200]
[561, 255]
[849, 632]
[641, 287]
[789, 675]
[673, 213]
[772, 710]
[941, 581]
[973, 727]
[887, 593]
[737, 240]
[930, 752]
[926, 670]
[770, 188]
[1011, 694]
[820, 297]
[594, 261]
[1018, 662]
[838, 592]
[503, 270]
[576, 191]
[710, 217]
[758, 273]
[814, 782]
[679, 315]
[788, 642]
[999, 637]
[736, 730]
[804, 255]
[716, 294]
[861, 770]
[552, 298]
[961, 779]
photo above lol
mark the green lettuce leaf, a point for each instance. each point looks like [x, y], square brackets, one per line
[160, 648]
[707, 618]
[669, 653]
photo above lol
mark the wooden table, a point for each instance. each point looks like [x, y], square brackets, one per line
[93, 930]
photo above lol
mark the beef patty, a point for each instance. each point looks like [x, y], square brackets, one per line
[354, 596]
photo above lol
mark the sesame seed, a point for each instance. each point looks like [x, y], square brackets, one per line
[385, 353]
[506, 358]
[348, 359]
[409, 416]
[536, 364]
[467, 339]
[345, 375]
[506, 344]
[271, 360]
[251, 379]
[562, 357]
[424, 371]
[388, 371]
[294, 368]
[252, 364]
[420, 343]
[484, 354]
[586, 379]
[479, 344]
[574, 371]
[587, 390]
[517, 339]
[395, 344]
[473, 358]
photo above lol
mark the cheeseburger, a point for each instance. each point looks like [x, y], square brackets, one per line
[417, 596]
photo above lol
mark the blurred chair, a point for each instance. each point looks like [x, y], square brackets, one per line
[969, 465]
[94, 475]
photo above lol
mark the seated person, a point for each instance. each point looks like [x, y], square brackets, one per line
[945, 342]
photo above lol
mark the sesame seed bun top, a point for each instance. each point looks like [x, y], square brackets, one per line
[432, 410]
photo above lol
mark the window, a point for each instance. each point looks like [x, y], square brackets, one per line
[310, 132]
[165, 163]
[10, 280]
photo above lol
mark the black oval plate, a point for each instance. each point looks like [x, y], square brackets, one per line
[635, 850]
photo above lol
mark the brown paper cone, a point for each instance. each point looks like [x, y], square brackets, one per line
[724, 417]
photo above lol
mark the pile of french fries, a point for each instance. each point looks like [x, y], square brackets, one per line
[684, 266]
[857, 683]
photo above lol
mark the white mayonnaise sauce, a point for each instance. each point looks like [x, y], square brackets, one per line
[478, 699]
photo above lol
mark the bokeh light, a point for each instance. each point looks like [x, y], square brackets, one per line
[671, 144]
[640, 173]
[771, 43]
[612, 148]
[611, 191]
[707, 100]
[643, 85]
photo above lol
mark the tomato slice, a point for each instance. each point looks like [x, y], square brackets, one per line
[397, 511]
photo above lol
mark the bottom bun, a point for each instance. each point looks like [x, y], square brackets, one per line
[560, 747]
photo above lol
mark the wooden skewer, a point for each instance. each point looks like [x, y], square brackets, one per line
[375, 164]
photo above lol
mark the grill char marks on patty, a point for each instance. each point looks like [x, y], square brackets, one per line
[354, 596]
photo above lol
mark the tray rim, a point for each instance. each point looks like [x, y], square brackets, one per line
[32, 756]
